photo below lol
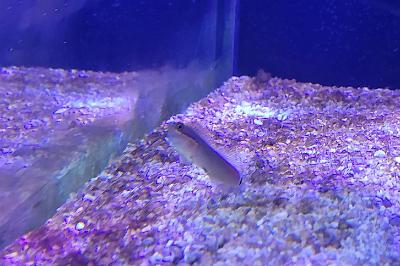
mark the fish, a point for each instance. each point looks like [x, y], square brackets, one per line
[193, 145]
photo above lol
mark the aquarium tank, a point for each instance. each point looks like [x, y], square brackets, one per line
[199, 132]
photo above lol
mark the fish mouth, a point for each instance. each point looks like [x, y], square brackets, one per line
[172, 132]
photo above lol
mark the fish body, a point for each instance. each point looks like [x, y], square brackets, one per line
[195, 148]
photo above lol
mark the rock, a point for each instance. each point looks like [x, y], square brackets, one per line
[191, 256]
[6, 150]
[306, 206]
[258, 122]
[280, 202]
[239, 252]
[343, 225]
[294, 238]
[169, 243]
[380, 154]
[188, 237]
[395, 221]
[74, 258]
[61, 110]
[148, 241]
[386, 202]
[11, 255]
[221, 241]
[79, 226]
[328, 238]
[211, 243]
[283, 115]
[176, 253]
[89, 197]
[156, 258]
[212, 204]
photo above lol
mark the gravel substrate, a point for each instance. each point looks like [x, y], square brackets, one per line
[36, 102]
[58, 128]
[321, 187]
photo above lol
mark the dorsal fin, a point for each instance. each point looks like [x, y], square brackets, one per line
[204, 133]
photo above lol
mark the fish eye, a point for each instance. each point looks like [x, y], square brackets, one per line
[179, 126]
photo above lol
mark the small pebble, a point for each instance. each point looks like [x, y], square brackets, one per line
[148, 241]
[6, 150]
[380, 154]
[282, 116]
[169, 243]
[176, 253]
[11, 255]
[188, 237]
[89, 197]
[306, 205]
[328, 238]
[61, 110]
[156, 258]
[294, 238]
[386, 202]
[280, 201]
[125, 193]
[343, 225]
[212, 243]
[190, 256]
[260, 222]
[79, 226]
[258, 122]
[221, 241]
[395, 221]
[179, 243]
[146, 228]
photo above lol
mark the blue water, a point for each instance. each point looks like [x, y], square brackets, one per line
[354, 42]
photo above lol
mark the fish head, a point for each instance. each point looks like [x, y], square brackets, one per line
[175, 129]
[179, 136]
[178, 126]
[180, 130]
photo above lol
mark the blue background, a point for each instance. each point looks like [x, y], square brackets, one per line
[118, 35]
[342, 42]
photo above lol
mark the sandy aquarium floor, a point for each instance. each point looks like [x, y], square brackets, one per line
[321, 187]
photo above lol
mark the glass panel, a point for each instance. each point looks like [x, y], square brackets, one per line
[137, 63]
